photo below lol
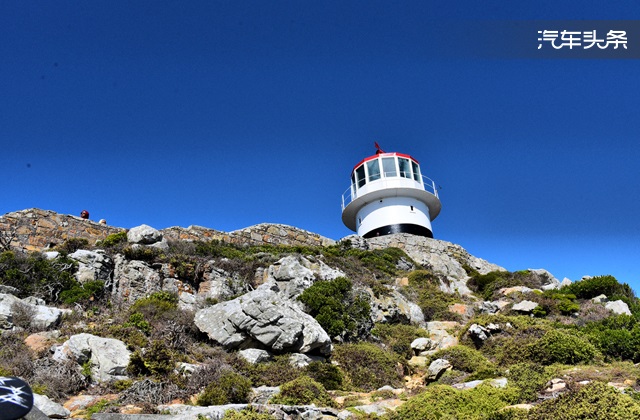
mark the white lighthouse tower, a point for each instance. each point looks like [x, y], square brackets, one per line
[389, 194]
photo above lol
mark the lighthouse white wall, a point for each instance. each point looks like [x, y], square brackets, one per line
[392, 211]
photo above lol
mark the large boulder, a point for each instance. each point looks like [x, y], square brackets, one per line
[144, 235]
[263, 319]
[92, 265]
[51, 409]
[109, 357]
[441, 257]
[618, 307]
[37, 315]
[295, 273]
[133, 280]
[219, 285]
[394, 308]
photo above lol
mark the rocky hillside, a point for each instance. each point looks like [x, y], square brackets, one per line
[273, 322]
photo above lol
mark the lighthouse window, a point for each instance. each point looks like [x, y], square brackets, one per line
[360, 175]
[405, 169]
[389, 166]
[373, 167]
[416, 171]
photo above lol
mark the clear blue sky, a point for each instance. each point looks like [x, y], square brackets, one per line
[226, 114]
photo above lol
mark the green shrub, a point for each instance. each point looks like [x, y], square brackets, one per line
[558, 346]
[35, 275]
[333, 304]
[230, 388]
[468, 360]
[330, 376]
[89, 291]
[155, 304]
[71, 245]
[136, 320]
[599, 285]
[398, 337]
[617, 337]
[424, 288]
[529, 379]
[596, 401]
[303, 391]
[368, 367]
[445, 402]
[140, 253]
[273, 373]
[156, 360]
[114, 239]
[248, 413]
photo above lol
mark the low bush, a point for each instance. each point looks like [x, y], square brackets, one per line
[367, 366]
[330, 376]
[596, 400]
[467, 360]
[617, 337]
[85, 293]
[529, 379]
[71, 245]
[114, 240]
[445, 402]
[273, 373]
[600, 285]
[398, 337]
[558, 346]
[303, 391]
[424, 288]
[336, 308]
[156, 360]
[230, 388]
[249, 413]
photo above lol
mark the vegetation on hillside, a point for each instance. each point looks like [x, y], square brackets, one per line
[566, 336]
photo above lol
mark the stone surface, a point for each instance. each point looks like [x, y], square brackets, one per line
[423, 344]
[394, 307]
[108, 357]
[133, 280]
[515, 289]
[39, 343]
[218, 284]
[50, 408]
[600, 299]
[37, 230]
[295, 273]
[437, 368]
[42, 317]
[442, 257]
[92, 265]
[254, 356]
[526, 306]
[144, 235]
[263, 318]
[618, 307]
[478, 332]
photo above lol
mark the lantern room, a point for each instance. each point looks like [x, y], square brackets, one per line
[388, 194]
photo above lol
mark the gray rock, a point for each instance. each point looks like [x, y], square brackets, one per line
[618, 307]
[526, 306]
[265, 318]
[92, 265]
[162, 245]
[36, 414]
[394, 308]
[9, 290]
[550, 283]
[51, 409]
[41, 317]
[144, 235]
[133, 280]
[262, 394]
[478, 332]
[442, 257]
[565, 282]
[109, 357]
[254, 356]
[488, 308]
[218, 284]
[423, 344]
[294, 274]
[51, 255]
[437, 368]
[467, 385]
[600, 299]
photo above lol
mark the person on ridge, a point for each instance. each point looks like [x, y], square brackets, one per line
[84, 214]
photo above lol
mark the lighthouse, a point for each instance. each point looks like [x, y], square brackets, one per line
[388, 194]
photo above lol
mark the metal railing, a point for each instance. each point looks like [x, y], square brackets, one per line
[428, 184]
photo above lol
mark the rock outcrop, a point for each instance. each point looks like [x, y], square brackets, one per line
[263, 319]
